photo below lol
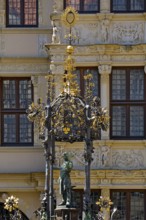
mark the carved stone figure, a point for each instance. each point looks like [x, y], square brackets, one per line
[65, 181]
[105, 30]
[105, 151]
[55, 35]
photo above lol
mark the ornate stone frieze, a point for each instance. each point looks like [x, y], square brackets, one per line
[128, 33]
[128, 159]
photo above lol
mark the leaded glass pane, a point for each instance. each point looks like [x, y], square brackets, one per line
[118, 85]
[25, 129]
[136, 121]
[93, 82]
[118, 121]
[14, 12]
[136, 84]
[137, 5]
[137, 205]
[30, 12]
[119, 201]
[25, 93]
[9, 128]
[119, 5]
[9, 94]
[90, 5]
[74, 3]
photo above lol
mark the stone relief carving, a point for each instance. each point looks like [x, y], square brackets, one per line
[128, 33]
[128, 160]
[104, 30]
[78, 159]
[83, 33]
[104, 156]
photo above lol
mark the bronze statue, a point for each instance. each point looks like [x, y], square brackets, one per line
[65, 181]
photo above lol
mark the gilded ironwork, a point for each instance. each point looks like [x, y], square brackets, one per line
[70, 118]
[70, 17]
[11, 204]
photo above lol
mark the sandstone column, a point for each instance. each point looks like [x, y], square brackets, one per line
[104, 70]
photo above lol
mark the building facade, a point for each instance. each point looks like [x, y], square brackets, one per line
[110, 43]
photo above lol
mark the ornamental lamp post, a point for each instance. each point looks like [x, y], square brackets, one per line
[68, 118]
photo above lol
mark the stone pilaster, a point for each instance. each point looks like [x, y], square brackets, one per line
[104, 70]
[58, 71]
[105, 193]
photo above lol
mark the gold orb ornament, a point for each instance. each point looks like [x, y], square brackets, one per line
[70, 49]
[70, 17]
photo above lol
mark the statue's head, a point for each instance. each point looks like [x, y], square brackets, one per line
[65, 156]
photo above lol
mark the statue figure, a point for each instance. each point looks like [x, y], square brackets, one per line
[56, 34]
[65, 181]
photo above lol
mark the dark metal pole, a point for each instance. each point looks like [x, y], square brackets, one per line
[88, 159]
[47, 145]
[52, 160]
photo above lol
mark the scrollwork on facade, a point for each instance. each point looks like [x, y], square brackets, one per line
[128, 33]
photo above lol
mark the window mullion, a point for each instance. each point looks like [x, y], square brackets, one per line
[82, 5]
[128, 206]
[128, 4]
[22, 12]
